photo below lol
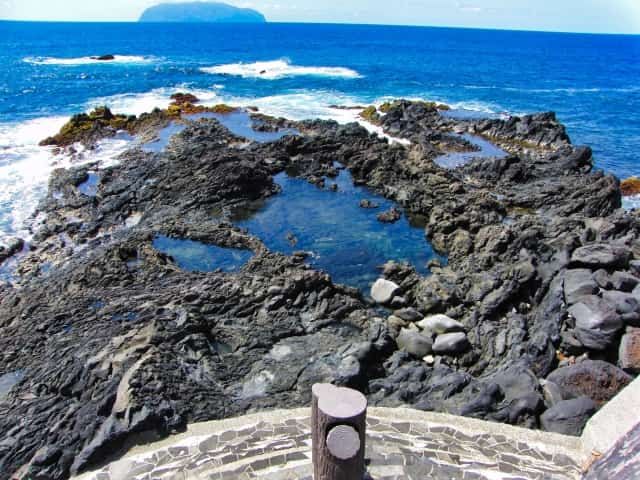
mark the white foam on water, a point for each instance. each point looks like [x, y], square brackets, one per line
[25, 167]
[277, 69]
[137, 103]
[72, 62]
[631, 202]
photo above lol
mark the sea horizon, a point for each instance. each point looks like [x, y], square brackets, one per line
[355, 24]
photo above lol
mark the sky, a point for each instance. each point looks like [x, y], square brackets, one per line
[596, 16]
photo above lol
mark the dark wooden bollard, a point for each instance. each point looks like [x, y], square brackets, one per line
[338, 421]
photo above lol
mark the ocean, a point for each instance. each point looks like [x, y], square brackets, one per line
[299, 71]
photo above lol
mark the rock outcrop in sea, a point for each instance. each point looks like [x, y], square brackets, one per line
[531, 321]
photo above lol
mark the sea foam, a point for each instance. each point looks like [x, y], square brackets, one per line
[25, 168]
[277, 69]
[118, 59]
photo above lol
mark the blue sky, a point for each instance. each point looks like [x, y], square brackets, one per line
[612, 16]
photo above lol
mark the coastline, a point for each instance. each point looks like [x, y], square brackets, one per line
[156, 347]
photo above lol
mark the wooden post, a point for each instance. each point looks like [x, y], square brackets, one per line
[338, 421]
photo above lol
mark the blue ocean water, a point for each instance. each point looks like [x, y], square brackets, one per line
[299, 71]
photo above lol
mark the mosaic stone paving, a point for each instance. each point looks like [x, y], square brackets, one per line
[396, 449]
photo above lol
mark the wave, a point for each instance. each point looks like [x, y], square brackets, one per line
[568, 90]
[277, 69]
[631, 202]
[137, 103]
[119, 59]
[25, 168]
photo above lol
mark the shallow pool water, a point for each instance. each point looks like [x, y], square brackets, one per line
[457, 159]
[201, 257]
[8, 381]
[90, 186]
[164, 136]
[240, 123]
[345, 240]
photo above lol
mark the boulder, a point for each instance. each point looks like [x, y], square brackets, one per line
[601, 255]
[383, 290]
[408, 314]
[624, 281]
[390, 216]
[368, 204]
[626, 304]
[414, 343]
[451, 343]
[597, 322]
[440, 324]
[603, 279]
[629, 353]
[598, 380]
[577, 284]
[568, 417]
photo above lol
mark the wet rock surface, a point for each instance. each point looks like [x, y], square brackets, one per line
[119, 345]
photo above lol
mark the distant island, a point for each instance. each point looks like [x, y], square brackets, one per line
[201, 12]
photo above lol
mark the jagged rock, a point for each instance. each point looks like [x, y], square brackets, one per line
[390, 216]
[383, 290]
[414, 343]
[597, 322]
[451, 343]
[265, 334]
[601, 255]
[595, 379]
[629, 354]
[626, 304]
[368, 204]
[568, 417]
[578, 283]
[9, 247]
[440, 324]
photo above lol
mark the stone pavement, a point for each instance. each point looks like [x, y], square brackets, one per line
[401, 444]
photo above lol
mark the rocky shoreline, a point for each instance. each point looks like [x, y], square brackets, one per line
[531, 322]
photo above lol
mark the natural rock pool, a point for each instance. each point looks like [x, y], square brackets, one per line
[486, 149]
[344, 239]
[90, 186]
[200, 257]
[8, 381]
[239, 123]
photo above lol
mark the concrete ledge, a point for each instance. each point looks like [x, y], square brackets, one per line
[550, 443]
[613, 421]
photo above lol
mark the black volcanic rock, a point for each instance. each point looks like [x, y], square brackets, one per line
[115, 339]
[200, 12]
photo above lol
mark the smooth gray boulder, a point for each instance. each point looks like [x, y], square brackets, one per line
[383, 290]
[451, 343]
[597, 322]
[601, 255]
[408, 314]
[577, 284]
[568, 417]
[440, 324]
[414, 343]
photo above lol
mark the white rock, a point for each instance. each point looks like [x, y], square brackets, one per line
[440, 324]
[429, 359]
[383, 290]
